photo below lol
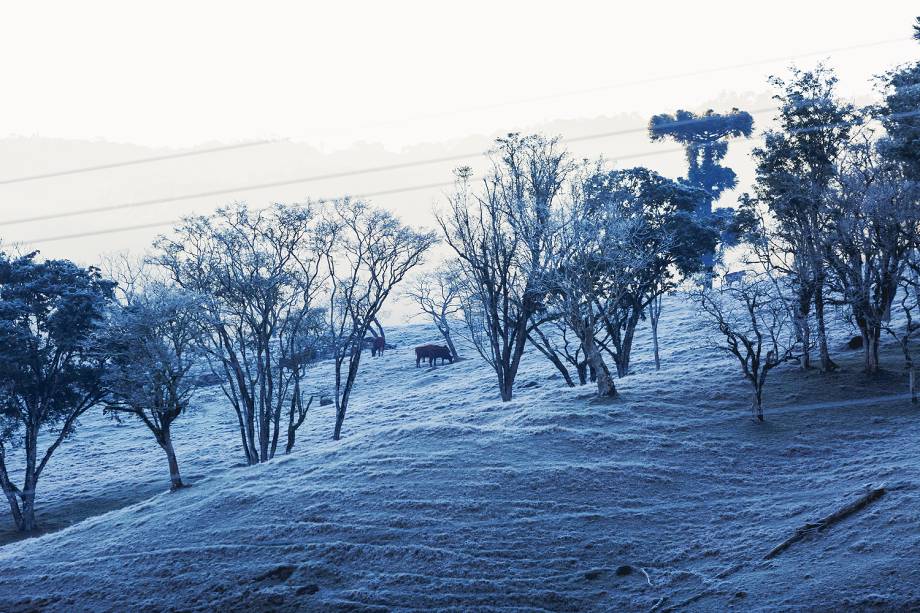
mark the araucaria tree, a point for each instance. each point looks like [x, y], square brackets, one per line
[258, 274]
[49, 376]
[366, 252]
[754, 326]
[705, 139]
[503, 237]
[795, 168]
[152, 345]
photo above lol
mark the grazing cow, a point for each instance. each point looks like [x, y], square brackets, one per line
[432, 353]
[378, 344]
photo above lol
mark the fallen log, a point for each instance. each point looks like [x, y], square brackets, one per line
[822, 524]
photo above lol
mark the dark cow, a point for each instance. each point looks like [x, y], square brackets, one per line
[378, 344]
[432, 353]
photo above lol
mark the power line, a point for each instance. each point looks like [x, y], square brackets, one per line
[171, 222]
[367, 170]
[645, 81]
[146, 160]
[390, 167]
[333, 175]
[401, 189]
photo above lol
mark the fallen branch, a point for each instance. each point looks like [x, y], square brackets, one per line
[826, 522]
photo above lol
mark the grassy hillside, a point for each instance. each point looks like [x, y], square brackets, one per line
[440, 496]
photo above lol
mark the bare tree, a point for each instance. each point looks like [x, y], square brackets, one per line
[367, 252]
[553, 338]
[909, 303]
[503, 239]
[151, 344]
[259, 273]
[600, 254]
[875, 228]
[674, 243]
[795, 167]
[437, 294]
[755, 327]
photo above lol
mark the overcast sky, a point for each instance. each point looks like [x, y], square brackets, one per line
[332, 73]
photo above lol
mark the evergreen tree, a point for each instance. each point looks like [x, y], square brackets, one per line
[705, 139]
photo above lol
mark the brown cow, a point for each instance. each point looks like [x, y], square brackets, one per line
[432, 353]
[378, 344]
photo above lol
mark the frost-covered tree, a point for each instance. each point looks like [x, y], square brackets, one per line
[258, 273]
[671, 244]
[560, 345]
[503, 236]
[152, 343]
[437, 295]
[908, 303]
[795, 168]
[874, 225]
[754, 326]
[600, 253]
[367, 252]
[50, 311]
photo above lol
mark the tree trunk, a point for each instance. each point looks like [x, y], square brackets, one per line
[553, 357]
[803, 330]
[870, 348]
[827, 364]
[444, 329]
[582, 369]
[654, 313]
[757, 404]
[605, 385]
[507, 390]
[27, 519]
[14, 506]
[339, 419]
[175, 479]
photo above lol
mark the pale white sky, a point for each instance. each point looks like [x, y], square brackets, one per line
[332, 73]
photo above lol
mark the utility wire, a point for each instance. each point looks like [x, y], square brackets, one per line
[403, 165]
[399, 190]
[382, 168]
[646, 81]
[146, 160]
[171, 222]
[622, 84]
[333, 175]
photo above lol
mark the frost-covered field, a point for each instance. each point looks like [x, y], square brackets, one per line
[440, 496]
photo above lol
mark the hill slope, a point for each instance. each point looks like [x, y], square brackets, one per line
[440, 496]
